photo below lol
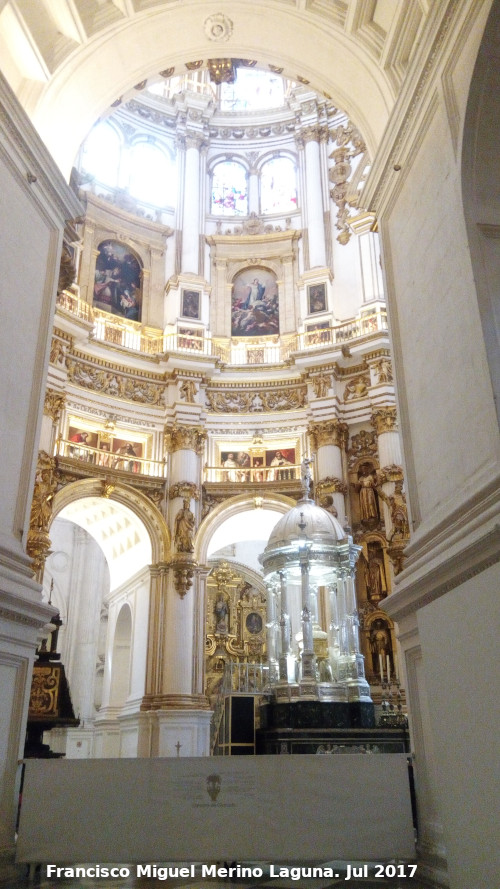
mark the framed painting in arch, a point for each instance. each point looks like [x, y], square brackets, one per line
[316, 298]
[254, 303]
[190, 304]
[118, 281]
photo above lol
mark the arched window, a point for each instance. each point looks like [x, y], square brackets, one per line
[229, 189]
[278, 186]
[152, 178]
[101, 154]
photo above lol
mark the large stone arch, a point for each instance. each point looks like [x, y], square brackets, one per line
[481, 188]
[145, 510]
[231, 507]
[315, 50]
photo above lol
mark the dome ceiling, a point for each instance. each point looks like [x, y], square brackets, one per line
[70, 61]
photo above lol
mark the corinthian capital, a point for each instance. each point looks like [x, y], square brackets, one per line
[385, 419]
[328, 432]
[187, 438]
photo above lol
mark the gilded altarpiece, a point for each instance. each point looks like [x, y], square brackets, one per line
[235, 629]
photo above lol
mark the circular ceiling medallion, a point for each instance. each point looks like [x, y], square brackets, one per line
[218, 27]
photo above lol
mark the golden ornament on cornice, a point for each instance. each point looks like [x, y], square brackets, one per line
[184, 490]
[330, 485]
[114, 384]
[321, 383]
[385, 419]
[397, 556]
[54, 403]
[392, 473]
[328, 432]
[185, 438]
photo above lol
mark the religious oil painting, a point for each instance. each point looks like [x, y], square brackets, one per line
[237, 466]
[124, 455]
[280, 464]
[254, 303]
[319, 333]
[190, 338]
[190, 304]
[316, 298]
[118, 281]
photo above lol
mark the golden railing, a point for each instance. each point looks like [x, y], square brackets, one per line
[252, 474]
[244, 351]
[110, 461]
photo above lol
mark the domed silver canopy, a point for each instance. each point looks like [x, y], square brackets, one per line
[308, 528]
[309, 521]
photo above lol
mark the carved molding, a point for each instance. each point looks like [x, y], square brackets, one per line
[330, 485]
[363, 444]
[385, 419]
[38, 541]
[327, 432]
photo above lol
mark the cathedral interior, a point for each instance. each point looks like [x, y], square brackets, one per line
[251, 386]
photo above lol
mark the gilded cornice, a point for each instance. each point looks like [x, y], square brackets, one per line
[185, 438]
[385, 419]
[328, 432]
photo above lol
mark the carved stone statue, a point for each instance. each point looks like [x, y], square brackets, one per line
[221, 612]
[184, 529]
[376, 586]
[380, 644]
[399, 513]
[321, 384]
[366, 487]
[187, 391]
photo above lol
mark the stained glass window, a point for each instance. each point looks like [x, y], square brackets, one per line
[278, 186]
[229, 189]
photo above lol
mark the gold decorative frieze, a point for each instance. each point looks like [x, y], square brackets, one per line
[57, 351]
[241, 401]
[114, 384]
[328, 432]
[321, 383]
[185, 438]
[385, 419]
[54, 404]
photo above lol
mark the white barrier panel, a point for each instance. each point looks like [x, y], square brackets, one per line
[263, 808]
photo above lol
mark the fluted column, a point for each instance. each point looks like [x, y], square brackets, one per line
[309, 140]
[328, 441]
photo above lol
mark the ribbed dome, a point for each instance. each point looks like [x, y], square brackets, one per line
[320, 527]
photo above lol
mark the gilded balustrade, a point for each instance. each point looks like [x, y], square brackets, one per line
[110, 461]
[242, 351]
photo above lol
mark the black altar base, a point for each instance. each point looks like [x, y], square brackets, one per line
[326, 727]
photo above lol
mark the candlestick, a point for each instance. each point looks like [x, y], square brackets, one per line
[388, 669]
[381, 664]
